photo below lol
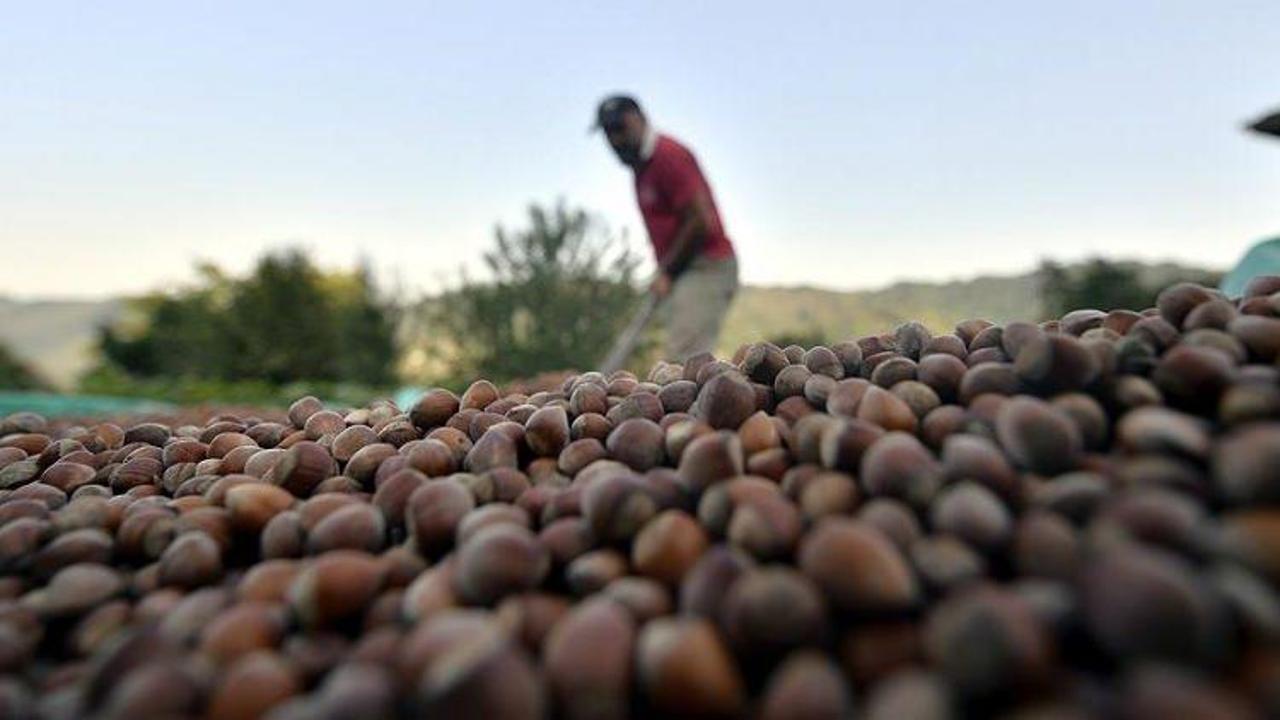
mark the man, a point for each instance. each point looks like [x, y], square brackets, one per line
[1268, 124]
[697, 274]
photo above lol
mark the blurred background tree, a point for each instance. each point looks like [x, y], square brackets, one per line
[558, 293]
[286, 322]
[16, 375]
[804, 337]
[1106, 285]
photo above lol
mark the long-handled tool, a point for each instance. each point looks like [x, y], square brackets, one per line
[626, 342]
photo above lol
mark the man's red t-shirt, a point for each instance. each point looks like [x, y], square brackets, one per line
[664, 187]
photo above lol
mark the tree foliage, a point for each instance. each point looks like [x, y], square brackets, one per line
[1106, 285]
[559, 292]
[17, 375]
[286, 321]
[1096, 284]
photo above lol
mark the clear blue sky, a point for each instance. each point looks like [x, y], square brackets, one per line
[850, 144]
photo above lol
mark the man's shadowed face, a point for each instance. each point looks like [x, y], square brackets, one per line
[626, 136]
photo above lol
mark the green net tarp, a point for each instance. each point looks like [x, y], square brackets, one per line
[56, 405]
[1261, 259]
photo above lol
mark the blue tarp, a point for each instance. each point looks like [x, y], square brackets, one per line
[1261, 259]
[55, 405]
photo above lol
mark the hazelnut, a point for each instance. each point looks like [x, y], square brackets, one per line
[434, 512]
[685, 669]
[335, 586]
[251, 505]
[773, 609]
[354, 527]
[192, 560]
[500, 560]
[588, 656]
[637, 442]
[253, 685]
[725, 401]
[857, 567]
[806, 685]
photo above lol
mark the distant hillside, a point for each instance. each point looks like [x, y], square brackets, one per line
[763, 313]
[56, 337]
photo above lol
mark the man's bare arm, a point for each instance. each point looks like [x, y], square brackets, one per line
[695, 222]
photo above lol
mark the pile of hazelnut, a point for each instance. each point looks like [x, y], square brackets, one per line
[1072, 519]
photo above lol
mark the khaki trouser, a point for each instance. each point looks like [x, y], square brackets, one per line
[695, 310]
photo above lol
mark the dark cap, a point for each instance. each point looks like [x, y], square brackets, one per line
[1269, 124]
[613, 108]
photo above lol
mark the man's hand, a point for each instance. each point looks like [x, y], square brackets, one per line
[661, 285]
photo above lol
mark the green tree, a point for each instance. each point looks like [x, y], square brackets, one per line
[17, 375]
[367, 327]
[285, 322]
[559, 292]
[1097, 283]
[805, 338]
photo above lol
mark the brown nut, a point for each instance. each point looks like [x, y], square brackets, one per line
[767, 527]
[500, 560]
[705, 585]
[946, 563]
[488, 515]
[588, 660]
[588, 398]
[392, 496]
[253, 685]
[1015, 652]
[807, 685]
[364, 464]
[1193, 378]
[990, 377]
[242, 629]
[644, 598]
[709, 459]
[617, 506]
[434, 512]
[842, 444]
[898, 466]
[977, 458]
[432, 457]
[579, 454]
[1245, 465]
[430, 592]
[283, 537]
[638, 442]
[75, 590]
[253, 504]
[668, 547]
[771, 610]
[335, 586]
[881, 407]
[857, 567]
[725, 401]
[547, 431]
[483, 675]
[974, 514]
[192, 560]
[267, 581]
[1038, 436]
[590, 425]
[1142, 603]
[83, 545]
[354, 527]
[566, 539]
[492, 450]
[685, 669]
